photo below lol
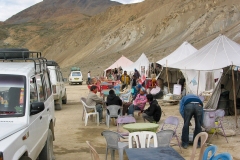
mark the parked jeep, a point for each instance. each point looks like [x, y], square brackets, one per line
[75, 76]
[58, 87]
[26, 106]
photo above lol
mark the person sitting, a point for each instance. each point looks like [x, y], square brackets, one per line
[139, 102]
[112, 99]
[94, 100]
[154, 111]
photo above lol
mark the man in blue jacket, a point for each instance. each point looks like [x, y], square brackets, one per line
[191, 106]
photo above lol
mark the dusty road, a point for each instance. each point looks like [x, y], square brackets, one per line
[71, 134]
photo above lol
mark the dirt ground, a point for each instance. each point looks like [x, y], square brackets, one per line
[71, 134]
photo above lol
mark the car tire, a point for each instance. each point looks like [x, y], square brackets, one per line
[64, 99]
[80, 83]
[58, 105]
[47, 151]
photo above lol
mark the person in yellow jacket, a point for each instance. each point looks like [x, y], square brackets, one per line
[125, 79]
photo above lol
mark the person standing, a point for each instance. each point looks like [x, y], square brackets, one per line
[154, 112]
[89, 77]
[94, 100]
[191, 106]
[125, 79]
[136, 74]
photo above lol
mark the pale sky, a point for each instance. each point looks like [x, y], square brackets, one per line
[10, 7]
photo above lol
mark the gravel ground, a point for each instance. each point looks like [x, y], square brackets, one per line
[71, 134]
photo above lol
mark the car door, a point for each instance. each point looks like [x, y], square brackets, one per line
[39, 122]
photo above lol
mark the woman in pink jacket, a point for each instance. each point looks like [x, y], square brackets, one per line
[139, 102]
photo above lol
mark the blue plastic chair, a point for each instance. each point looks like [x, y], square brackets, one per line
[223, 156]
[211, 149]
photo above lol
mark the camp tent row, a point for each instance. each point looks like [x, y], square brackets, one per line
[221, 53]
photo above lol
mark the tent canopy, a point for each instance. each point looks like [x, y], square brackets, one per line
[142, 65]
[179, 54]
[217, 54]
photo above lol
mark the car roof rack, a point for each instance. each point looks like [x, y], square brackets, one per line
[24, 55]
[52, 63]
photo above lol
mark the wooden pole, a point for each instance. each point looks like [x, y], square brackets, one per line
[167, 77]
[198, 81]
[234, 97]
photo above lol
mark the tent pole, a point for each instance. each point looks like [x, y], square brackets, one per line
[167, 77]
[198, 81]
[234, 96]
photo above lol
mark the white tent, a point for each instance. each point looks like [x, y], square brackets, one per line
[179, 54]
[122, 61]
[142, 65]
[219, 53]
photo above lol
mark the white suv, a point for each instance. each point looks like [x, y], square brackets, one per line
[26, 106]
[75, 77]
[58, 87]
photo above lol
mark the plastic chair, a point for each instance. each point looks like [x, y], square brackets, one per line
[93, 152]
[124, 120]
[219, 114]
[88, 111]
[212, 149]
[223, 156]
[112, 139]
[126, 97]
[134, 136]
[203, 136]
[146, 136]
[164, 138]
[113, 111]
[171, 120]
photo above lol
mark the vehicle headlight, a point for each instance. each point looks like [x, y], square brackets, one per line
[1, 156]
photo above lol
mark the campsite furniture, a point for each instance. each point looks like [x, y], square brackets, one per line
[89, 111]
[124, 120]
[93, 152]
[203, 136]
[223, 156]
[134, 127]
[164, 138]
[218, 118]
[172, 121]
[212, 149]
[140, 139]
[164, 153]
[112, 139]
[113, 111]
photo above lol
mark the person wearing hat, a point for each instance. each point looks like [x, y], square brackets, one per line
[135, 90]
[139, 102]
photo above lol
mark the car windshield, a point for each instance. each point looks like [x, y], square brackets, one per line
[12, 99]
[76, 73]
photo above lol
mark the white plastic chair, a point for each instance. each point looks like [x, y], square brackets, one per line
[88, 111]
[146, 137]
[142, 139]
[113, 111]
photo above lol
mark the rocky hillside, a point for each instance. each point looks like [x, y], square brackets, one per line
[94, 40]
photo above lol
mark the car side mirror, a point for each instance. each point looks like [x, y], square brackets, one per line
[36, 107]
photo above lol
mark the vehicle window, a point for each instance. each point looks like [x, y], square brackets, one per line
[12, 95]
[33, 91]
[40, 88]
[76, 73]
[47, 86]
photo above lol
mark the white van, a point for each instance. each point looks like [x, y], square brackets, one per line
[59, 90]
[75, 77]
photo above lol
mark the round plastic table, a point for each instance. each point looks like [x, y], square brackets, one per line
[105, 92]
[134, 127]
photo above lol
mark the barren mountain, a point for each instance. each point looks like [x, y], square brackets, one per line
[78, 33]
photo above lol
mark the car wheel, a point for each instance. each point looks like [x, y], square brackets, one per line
[64, 101]
[58, 105]
[47, 151]
[80, 83]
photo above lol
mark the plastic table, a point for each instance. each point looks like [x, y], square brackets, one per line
[135, 127]
[163, 153]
